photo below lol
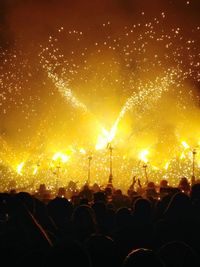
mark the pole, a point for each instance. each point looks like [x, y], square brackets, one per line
[34, 181]
[145, 172]
[57, 176]
[111, 166]
[193, 166]
[89, 166]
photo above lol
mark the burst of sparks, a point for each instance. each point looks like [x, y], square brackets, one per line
[20, 167]
[142, 75]
[143, 155]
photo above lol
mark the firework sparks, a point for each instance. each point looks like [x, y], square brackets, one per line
[20, 167]
[185, 145]
[59, 156]
[35, 170]
[137, 84]
[143, 155]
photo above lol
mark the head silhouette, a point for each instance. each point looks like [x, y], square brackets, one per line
[101, 250]
[142, 257]
[179, 207]
[178, 254]
[142, 208]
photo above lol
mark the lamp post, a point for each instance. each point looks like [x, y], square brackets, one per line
[34, 173]
[89, 169]
[57, 175]
[194, 152]
[145, 173]
[109, 146]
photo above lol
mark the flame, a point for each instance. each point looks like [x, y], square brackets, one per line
[20, 167]
[143, 155]
[60, 156]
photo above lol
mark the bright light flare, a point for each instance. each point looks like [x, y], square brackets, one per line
[185, 145]
[106, 137]
[35, 170]
[61, 157]
[155, 168]
[82, 151]
[20, 167]
[182, 156]
[166, 166]
[143, 155]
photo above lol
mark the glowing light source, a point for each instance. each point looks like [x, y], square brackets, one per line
[166, 165]
[182, 156]
[185, 145]
[143, 155]
[82, 151]
[155, 168]
[177, 62]
[60, 156]
[20, 167]
[106, 137]
[35, 170]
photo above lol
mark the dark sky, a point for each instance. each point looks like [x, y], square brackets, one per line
[31, 20]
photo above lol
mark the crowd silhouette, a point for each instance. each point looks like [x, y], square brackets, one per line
[103, 227]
